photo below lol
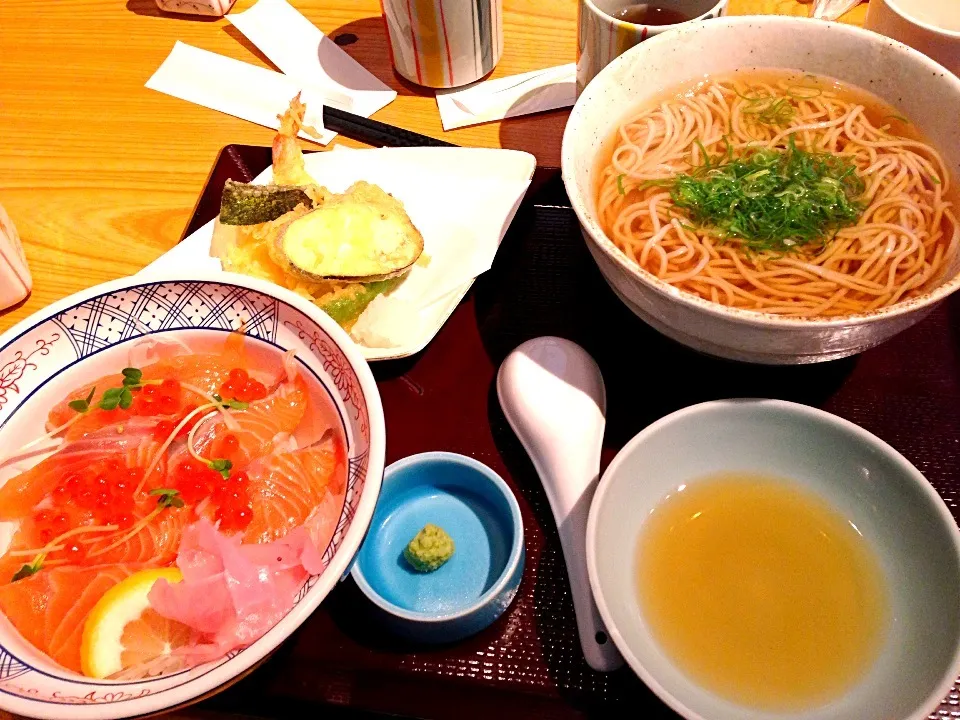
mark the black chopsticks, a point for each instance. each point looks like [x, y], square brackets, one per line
[376, 133]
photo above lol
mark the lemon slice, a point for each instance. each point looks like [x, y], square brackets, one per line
[122, 631]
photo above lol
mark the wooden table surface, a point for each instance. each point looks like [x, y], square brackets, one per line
[100, 174]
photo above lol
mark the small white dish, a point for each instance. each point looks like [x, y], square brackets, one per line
[461, 199]
[89, 334]
[898, 512]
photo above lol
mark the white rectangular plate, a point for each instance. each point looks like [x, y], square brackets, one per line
[462, 200]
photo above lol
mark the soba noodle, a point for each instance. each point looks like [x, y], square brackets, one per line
[900, 246]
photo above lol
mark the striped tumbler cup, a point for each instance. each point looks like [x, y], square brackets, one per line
[444, 43]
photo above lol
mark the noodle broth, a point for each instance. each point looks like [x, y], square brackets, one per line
[889, 230]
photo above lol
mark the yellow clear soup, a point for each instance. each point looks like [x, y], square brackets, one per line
[761, 592]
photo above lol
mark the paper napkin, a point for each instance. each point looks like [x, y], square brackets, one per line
[301, 51]
[240, 89]
[461, 199]
[506, 97]
[312, 65]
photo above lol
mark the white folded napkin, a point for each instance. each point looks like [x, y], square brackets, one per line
[312, 65]
[240, 89]
[301, 51]
[505, 97]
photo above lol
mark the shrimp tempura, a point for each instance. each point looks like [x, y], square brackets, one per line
[288, 166]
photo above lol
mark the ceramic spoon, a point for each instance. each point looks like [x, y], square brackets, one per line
[552, 394]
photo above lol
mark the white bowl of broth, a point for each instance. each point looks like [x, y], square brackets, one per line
[770, 189]
[759, 559]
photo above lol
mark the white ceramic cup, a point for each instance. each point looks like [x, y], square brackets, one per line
[908, 23]
[602, 37]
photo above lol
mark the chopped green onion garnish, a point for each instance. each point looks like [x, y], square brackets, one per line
[772, 200]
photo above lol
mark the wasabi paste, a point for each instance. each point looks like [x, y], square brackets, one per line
[430, 549]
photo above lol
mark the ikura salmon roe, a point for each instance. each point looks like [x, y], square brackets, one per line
[74, 551]
[195, 480]
[170, 387]
[96, 495]
[122, 520]
[233, 503]
[164, 428]
[228, 447]
[232, 490]
[234, 517]
[240, 386]
[162, 399]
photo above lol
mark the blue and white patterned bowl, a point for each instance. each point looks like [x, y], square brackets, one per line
[83, 337]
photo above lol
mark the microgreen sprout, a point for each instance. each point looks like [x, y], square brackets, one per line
[30, 568]
[167, 497]
[113, 398]
[222, 466]
[232, 404]
[83, 405]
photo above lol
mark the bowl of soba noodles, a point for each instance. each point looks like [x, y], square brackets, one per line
[771, 189]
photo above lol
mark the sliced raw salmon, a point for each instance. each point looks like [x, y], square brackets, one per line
[25, 537]
[262, 426]
[155, 543]
[286, 488]
[131, 442]
[205, 371]
[50, 607]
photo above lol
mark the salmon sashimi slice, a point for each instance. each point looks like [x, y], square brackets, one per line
[203, 371]
[25, 537]
[133, 443]
[50, 607]
[155, 541]
[259, 429]
[286, 488]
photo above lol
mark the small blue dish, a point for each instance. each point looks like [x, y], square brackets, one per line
[472, 589]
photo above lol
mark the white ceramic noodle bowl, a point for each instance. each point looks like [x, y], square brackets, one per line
[899, 513]
[921, 89]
